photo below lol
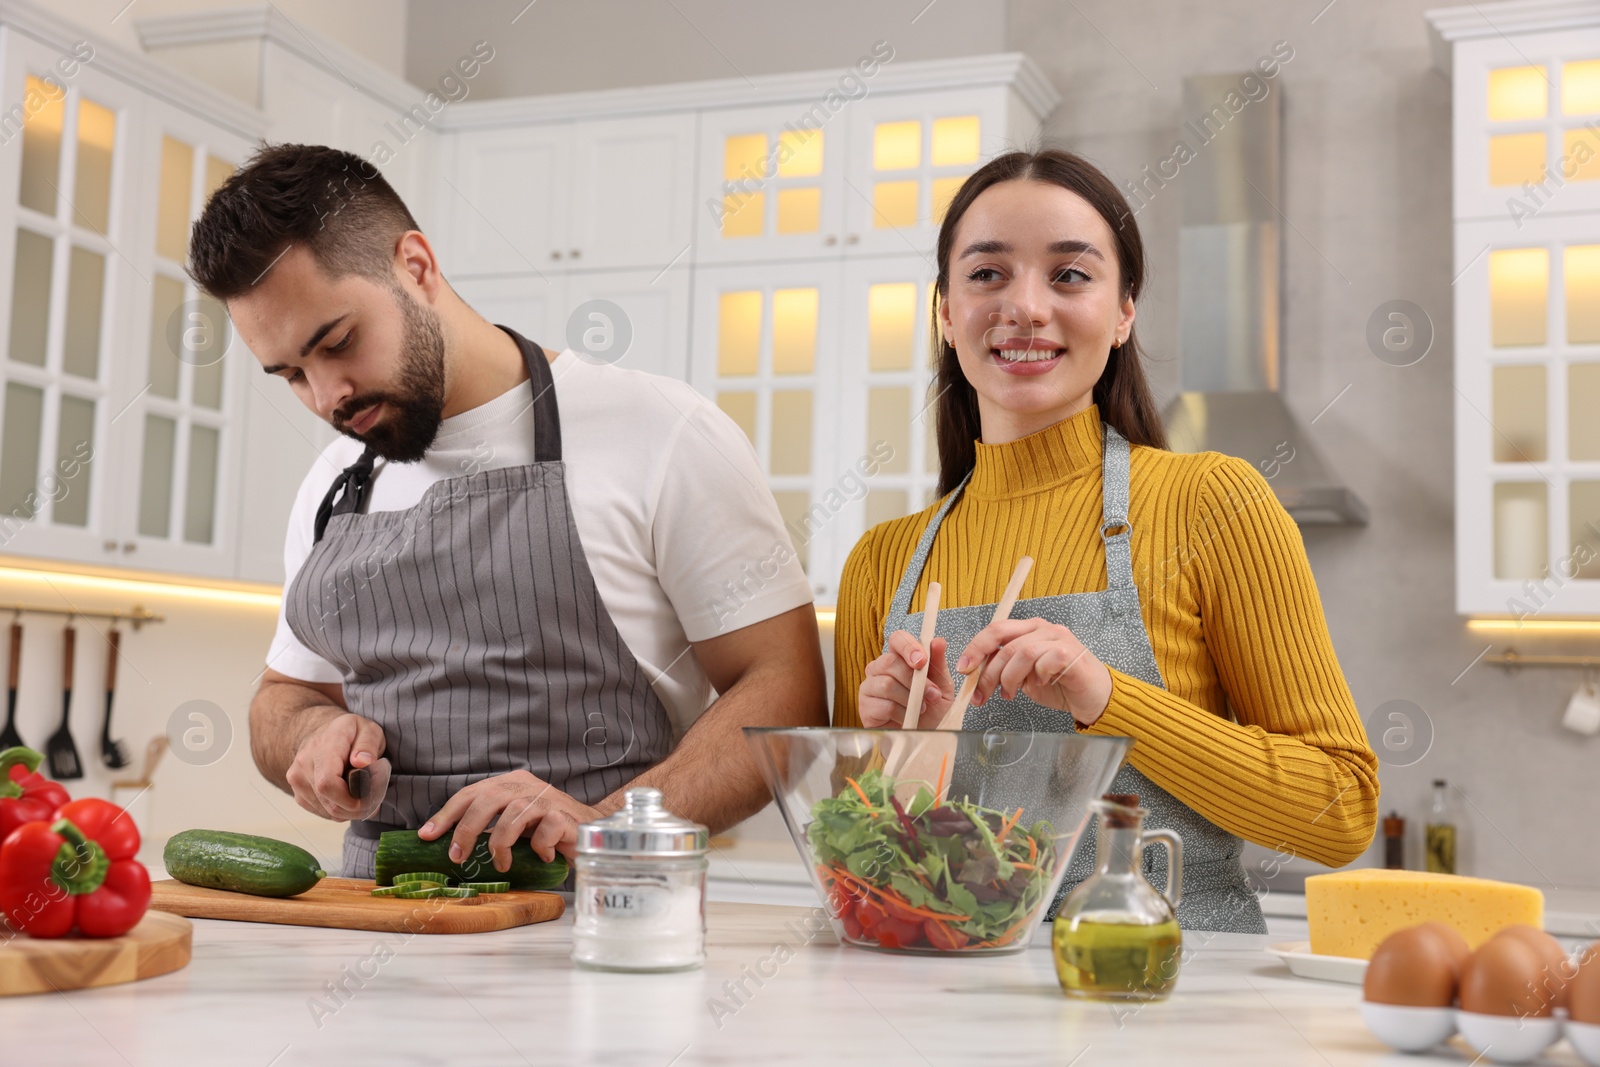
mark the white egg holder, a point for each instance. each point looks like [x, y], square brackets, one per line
[1497, 1038]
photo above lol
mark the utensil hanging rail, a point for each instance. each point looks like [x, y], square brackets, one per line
[136, 615]
[1512, 659]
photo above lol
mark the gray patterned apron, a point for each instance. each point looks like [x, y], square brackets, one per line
[470, 629]
[1216, 895]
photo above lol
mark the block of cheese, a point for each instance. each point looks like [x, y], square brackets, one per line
[1350, 912]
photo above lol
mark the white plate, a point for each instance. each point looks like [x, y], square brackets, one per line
[1306, 964]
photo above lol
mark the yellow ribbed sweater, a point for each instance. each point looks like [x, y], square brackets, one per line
[1228, 600]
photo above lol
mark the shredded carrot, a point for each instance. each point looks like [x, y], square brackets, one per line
[1005, 827]
[1024, 866]
[863, 796]
[1007, 937]
[1033, 849]
[896, 899]
[938, 790]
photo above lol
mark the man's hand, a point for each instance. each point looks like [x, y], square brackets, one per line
[521, 801]
[316, 774]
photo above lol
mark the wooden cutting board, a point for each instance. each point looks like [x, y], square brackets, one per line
[158, 945]
[348, 904]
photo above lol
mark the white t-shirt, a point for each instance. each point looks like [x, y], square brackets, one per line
[681, 533]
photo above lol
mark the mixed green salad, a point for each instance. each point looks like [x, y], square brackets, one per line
[942, 874]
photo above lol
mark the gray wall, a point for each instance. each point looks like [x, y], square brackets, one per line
[567, 45]
[1367, 200]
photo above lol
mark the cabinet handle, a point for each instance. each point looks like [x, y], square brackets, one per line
[575, 253]
[554, 254]
[129, 546]
[852, 239]
[110, 546]
[830, 240]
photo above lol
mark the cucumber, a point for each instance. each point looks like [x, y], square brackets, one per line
[402, 852]
[241, 863]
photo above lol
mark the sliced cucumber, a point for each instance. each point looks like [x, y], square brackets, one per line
[422, 876]
[488, 887]
[388, 890]
[420, 894]
[459, 892]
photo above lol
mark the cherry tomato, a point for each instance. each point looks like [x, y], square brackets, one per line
[943, 937]
[896, 910]
[870, 914]
[892, 933]
[852, 926]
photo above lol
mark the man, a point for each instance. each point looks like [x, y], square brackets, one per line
[507, 605]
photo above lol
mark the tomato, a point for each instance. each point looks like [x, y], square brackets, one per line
[852, 926]
[893, 933]
[899, 911]
[869, 914]
[943, 937]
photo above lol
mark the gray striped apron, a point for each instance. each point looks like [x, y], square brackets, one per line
[470, 629]
[1216, 895]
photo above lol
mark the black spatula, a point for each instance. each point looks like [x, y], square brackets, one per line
[62, 753]
[111, 750]
[9, 738]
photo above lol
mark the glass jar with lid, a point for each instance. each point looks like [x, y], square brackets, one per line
[640, 891]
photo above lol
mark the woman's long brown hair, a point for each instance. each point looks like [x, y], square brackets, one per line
[1122, 393]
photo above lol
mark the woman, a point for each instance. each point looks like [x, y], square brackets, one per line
[1191, 623]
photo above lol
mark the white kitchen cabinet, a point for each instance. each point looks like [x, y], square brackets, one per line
[1526, 138]
[564, 196]
[771, 184]
[503, 200]
[110, 357]
[630, 198]
[908, 154]
[765, 349]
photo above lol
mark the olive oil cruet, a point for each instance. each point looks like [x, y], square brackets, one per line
[1115, 937]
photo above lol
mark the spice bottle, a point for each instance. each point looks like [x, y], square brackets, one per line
[1394, 842]
[640, 893]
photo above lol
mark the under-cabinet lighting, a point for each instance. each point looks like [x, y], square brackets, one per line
[218, 594]
[1554, 626]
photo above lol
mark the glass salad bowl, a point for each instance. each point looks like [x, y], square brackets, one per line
[940, 842]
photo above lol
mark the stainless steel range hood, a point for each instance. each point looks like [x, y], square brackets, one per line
[1230, 296]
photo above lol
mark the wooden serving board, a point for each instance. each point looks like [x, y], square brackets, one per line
[158, 945]
[348, 904]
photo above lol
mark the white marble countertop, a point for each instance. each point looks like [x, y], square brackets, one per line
[261, 996]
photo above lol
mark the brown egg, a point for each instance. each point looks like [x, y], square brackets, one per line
[1414, 967]
[1556, 967]
[1584, 989]
[1503, 978]
[1460, 951]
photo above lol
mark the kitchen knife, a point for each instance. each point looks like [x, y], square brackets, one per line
[356, 780]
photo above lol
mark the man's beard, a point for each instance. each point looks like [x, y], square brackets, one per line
[406, 432]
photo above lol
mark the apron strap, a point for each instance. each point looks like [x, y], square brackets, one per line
[348, 493]
[350, 489]
[1114, 510]
[1114, 469]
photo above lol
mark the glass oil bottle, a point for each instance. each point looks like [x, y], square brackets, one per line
[1115, 937]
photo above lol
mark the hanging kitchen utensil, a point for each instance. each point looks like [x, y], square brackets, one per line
[9, 738]
[63, 754]
[112, 751]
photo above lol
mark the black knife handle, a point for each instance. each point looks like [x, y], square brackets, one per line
[356, 780]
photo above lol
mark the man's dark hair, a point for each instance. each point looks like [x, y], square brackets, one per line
[335, 203]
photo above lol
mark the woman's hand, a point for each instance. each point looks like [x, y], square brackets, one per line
[887, 686]
[1044, 661]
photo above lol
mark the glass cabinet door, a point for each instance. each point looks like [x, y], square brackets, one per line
[908, 156]
[186, 366]
[764, 348]
[771, 184]
[67, 275]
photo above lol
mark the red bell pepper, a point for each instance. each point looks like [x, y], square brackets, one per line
[24, 795]
[77, 871]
